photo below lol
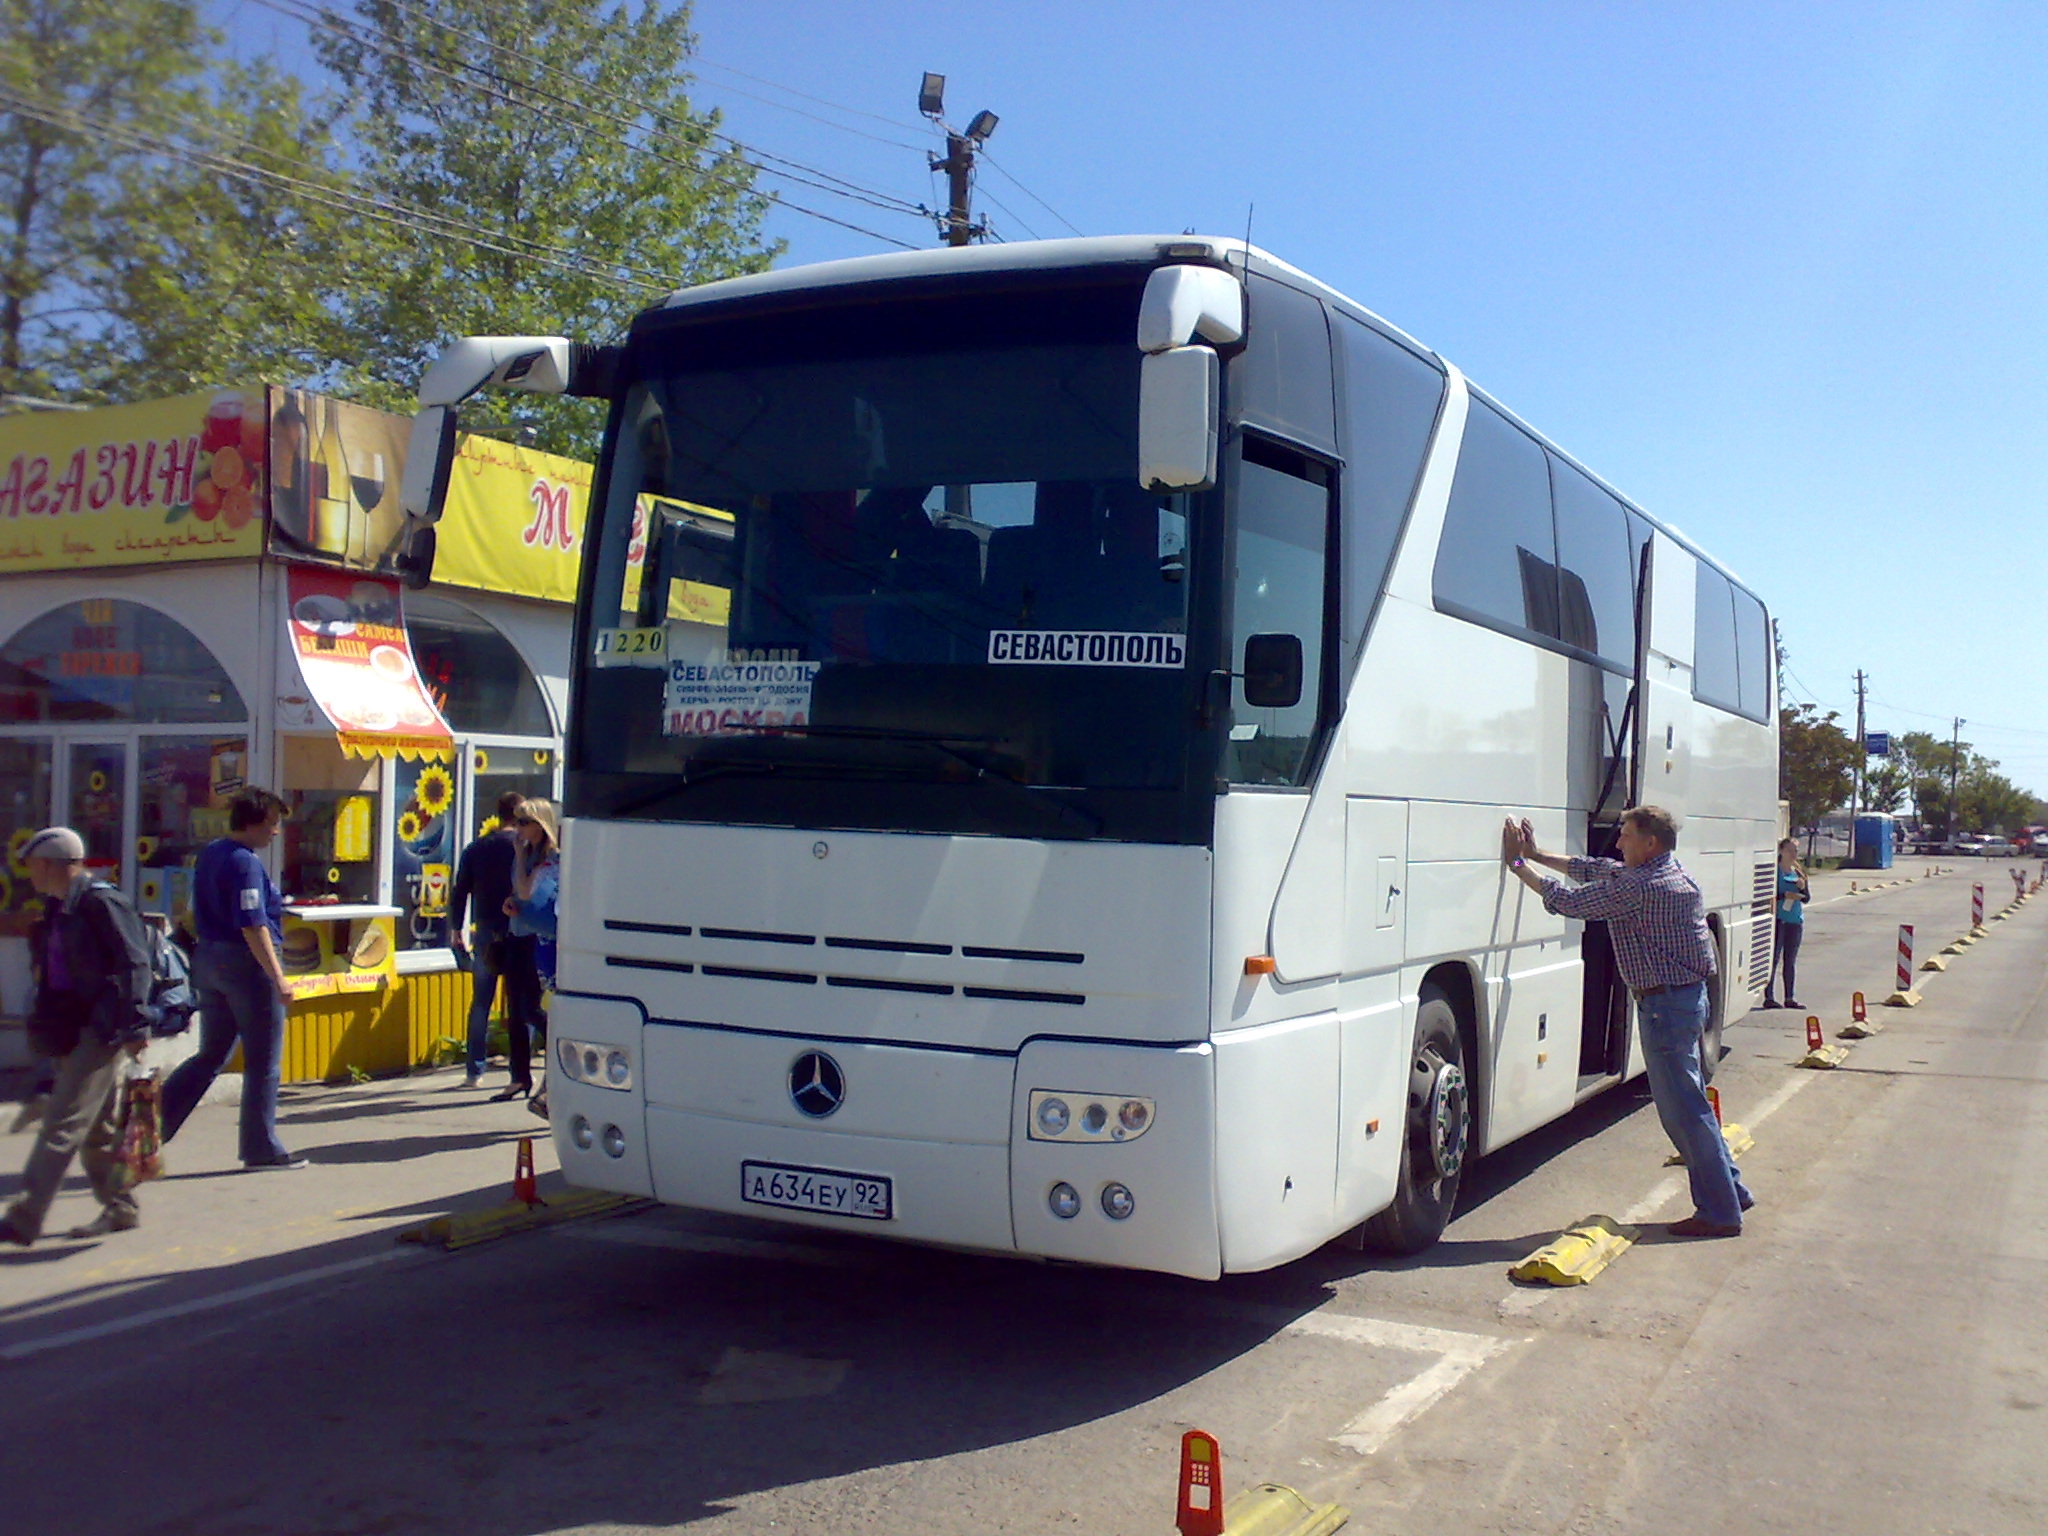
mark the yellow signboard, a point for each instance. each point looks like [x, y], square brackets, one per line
[513, 521]
[170, 480]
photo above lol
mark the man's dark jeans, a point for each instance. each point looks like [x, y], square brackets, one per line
[486, 964]
[236, 1002]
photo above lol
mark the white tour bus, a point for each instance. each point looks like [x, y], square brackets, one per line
[1042, 724]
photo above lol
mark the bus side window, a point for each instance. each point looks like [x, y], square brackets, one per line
[1391, 399]
[1596, 558]
[1279, 587]
[1497, 561]
[1715, 673]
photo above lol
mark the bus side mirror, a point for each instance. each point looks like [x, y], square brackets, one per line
[423, 492]
[1179, 400]
[429, 460]
[1272, 671]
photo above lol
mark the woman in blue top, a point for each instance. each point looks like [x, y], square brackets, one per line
[530, 952]
[1793, 896]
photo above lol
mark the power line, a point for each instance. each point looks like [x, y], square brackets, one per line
[817, 178]
[72, 120]
[703, 63]
[1048, 207]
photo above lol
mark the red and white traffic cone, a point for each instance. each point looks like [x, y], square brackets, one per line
[1857, 1010]
[524, 1185]
[1906, 952]
[1976, 909]
[1199, 1511]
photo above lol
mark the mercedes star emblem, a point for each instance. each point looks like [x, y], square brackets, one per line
[816, 1085]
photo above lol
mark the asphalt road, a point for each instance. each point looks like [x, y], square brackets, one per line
[1866, 1357]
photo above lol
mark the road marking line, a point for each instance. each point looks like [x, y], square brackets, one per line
[134, 1320]
[1458, 1356]
[1521, 1303]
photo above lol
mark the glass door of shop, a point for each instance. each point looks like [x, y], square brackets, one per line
[94, 794]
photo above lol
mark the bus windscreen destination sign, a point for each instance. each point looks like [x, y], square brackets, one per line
[730, 695]
[1085, 648]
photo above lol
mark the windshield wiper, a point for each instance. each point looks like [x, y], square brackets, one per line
[753, 767]
[985, 770]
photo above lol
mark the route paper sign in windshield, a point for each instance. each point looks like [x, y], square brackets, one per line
[730, 695]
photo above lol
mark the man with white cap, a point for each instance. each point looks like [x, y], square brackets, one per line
[92, 989]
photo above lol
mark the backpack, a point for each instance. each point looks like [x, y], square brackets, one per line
[172, 997]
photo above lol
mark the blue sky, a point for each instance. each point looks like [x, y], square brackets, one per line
[1778, 271]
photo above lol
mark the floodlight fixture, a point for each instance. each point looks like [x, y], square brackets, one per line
[931, 96]
[982, 126]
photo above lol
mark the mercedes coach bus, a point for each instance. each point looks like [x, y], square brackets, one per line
[1043, 716]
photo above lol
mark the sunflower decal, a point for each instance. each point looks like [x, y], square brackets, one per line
[435, 791]
[489, 825]
[480, 760]
[408, 827]
[15, 847]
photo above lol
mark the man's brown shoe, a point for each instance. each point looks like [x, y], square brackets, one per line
[1699, 1226]
[106, 1222]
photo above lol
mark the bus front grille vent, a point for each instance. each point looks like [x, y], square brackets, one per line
[975, 981]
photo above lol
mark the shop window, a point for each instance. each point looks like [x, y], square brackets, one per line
[24, 810]
[330, 838]
[105, 660]
[474, 673]
[182, 806]
[429, 836]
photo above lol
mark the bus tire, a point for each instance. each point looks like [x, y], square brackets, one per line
[1436, 1133]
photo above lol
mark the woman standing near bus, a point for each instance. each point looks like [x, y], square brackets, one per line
[1793, 895]
[530, 958]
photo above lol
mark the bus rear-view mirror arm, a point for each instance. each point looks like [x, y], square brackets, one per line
[544, 365]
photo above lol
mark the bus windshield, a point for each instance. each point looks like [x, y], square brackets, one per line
[886, 564]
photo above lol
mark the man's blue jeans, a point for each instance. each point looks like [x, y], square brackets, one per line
[236, 1002]
[1669, 1023]
[486, 963]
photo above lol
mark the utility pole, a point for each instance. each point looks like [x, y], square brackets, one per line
[1862, 762]
[957, 224]
[1955, 761]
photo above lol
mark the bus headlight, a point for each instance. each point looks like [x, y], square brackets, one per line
[1101, 1117]
[601, 1066]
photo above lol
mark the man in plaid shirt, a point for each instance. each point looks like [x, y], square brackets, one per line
[1655, 914]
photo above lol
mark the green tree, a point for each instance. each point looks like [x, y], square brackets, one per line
[555, 174]
[74, 76]
[175, 219]
[1885, 787]
[1816, 763]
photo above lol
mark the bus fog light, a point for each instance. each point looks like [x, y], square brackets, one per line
[1064, 1201]
[1052, 1117]
[1118, 1202]
[614, 1141]
[618, 1070]
[1093, 1119]
[1135, 1115]
[582, 1133]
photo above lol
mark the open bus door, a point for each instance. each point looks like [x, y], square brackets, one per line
[1646, 759]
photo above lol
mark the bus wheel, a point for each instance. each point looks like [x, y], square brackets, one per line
[1436, 1134]
[1710, 1032]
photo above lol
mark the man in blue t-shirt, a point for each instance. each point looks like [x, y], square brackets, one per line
[239, 975]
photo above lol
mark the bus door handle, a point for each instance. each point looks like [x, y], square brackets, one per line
[1392, 892]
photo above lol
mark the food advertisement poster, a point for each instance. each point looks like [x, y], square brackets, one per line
[168, 480]
[348, 632]
[334, 484]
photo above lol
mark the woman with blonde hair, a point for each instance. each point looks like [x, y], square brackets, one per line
[1793, 895]
[530, 952]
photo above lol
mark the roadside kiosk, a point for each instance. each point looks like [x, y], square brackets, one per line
[202, 593]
